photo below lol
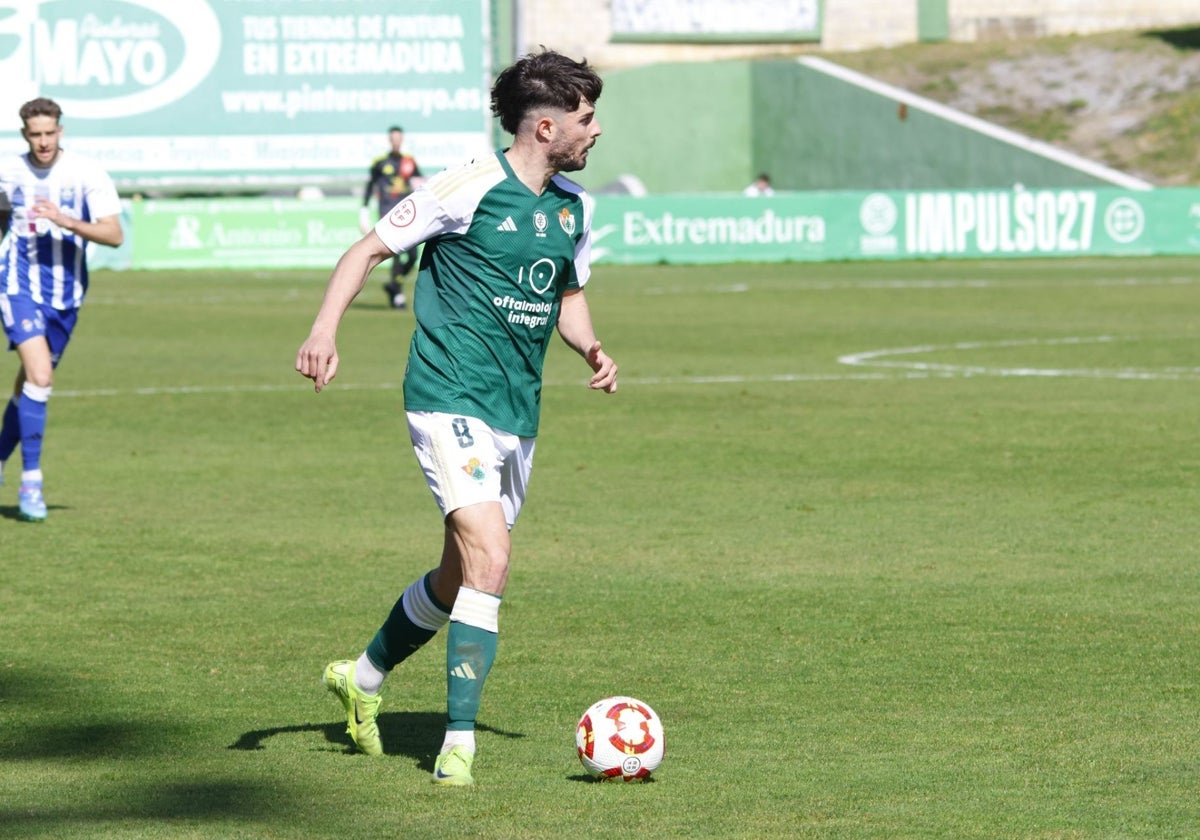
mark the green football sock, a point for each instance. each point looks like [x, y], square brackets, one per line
[470, 652]
[413, 621]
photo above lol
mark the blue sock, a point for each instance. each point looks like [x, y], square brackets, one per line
[31, 411]
[10, 431]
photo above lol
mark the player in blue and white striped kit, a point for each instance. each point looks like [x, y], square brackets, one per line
[57, 202]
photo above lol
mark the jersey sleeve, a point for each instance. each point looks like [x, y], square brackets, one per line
[101, 194]
[446, 203]
[418, 218]
[583, 248]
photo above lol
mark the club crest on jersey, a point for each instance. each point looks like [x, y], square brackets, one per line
[567, 220]
[540, 223]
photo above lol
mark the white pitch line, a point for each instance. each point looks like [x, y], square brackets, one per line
[302, 387]
[896, 369]
[880, 358]
[801, 285]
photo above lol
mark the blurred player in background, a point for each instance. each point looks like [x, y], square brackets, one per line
[58, 203]
[760, 187]
[392, 178]
[507, 254]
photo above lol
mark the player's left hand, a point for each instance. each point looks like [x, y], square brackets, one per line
[604, 377]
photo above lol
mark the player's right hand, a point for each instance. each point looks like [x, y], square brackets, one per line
[364, 220]
[317, 359]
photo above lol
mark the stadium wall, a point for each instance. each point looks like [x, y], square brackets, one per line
[812, 125]
[585, 27]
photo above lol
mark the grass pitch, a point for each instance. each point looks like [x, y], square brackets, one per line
[897, 550]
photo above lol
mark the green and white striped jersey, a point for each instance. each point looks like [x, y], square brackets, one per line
[496, 263]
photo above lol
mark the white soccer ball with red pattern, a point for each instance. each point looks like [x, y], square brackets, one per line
[620, 738]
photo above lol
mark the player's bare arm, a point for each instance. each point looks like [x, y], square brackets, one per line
[575, 327]
[317, 357]
[103, 231]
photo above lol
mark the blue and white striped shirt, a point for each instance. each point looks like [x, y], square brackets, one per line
[39, 259]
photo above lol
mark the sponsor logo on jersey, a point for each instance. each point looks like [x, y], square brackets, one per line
[540, 223]
[507, 225]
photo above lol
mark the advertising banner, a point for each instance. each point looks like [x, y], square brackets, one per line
[897, 225]
[690, 229]
[203, 91]
[242, 232]
[716, 20]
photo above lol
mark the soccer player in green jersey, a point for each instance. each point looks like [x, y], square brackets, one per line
[506, 258]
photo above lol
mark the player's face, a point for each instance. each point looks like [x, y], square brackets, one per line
[577, 132]
[396, 138]
[42, 134]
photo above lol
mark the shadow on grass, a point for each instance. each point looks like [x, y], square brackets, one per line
[177, 802]
[416, 735]
[57, 733]
[120, 739]
[48, 736]
[596, 780]
[14, 513]
[1180, 39]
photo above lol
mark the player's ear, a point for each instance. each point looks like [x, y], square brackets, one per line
[544, 127]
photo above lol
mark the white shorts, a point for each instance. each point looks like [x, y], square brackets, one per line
[466, 462]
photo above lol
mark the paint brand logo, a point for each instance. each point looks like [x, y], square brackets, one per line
[143, 54]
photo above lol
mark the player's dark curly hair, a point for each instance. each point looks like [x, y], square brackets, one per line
[40, 107]
[542, 80]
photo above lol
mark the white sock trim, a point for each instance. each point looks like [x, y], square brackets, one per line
[36, 392]
[478, 609]
[420, 609]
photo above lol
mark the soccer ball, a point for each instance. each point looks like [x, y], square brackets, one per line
[620, 738]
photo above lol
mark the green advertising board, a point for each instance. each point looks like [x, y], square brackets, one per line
[211, 91]
[242, 233]
[713, 228]
[897, 225]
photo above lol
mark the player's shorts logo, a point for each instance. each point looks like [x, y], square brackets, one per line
[474, 468]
